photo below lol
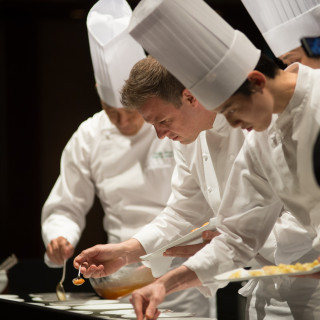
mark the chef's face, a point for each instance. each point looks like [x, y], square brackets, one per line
[128, 122]
[249, 112]
[182, 123]
[299, 55]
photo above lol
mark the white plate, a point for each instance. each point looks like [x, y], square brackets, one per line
[118, 312]
[100, 307]
[171, 315]
[16, 299]
[37, 304]
[185, 240]
[52, 296]
[245, 275]
[59, 307]
[9, 296]
[12, 297]
[122, 312]
[83, 302]
[82, 311]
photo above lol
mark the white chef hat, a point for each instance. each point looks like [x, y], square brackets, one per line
[284, 22]
[196, 45]
[113, 50]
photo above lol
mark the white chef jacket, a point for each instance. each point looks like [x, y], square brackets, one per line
[264, 177]
[131, 175]
[196, 188]
[287, 298]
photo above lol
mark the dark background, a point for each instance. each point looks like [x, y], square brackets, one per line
[46, 91]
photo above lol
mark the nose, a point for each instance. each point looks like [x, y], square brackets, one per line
[123, 119]
[233, 122]
[161, 132]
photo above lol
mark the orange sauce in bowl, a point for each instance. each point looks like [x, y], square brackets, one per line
[119, 292]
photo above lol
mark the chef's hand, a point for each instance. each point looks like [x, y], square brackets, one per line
[190, 250]
[104, 259]
[59, 249]
[146, 300]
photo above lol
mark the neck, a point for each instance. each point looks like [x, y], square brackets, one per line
[210, 117]
[282, 89]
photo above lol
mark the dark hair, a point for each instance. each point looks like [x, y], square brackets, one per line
[316, 159]
[266, 66]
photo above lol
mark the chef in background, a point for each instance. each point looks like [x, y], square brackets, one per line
[114, 155]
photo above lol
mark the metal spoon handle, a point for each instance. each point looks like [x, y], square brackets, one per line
[79, 271]
[64, 270]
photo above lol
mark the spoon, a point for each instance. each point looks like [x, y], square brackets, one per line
[78, 281]
[59, 289]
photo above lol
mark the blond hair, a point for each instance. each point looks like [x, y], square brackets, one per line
[149, 79]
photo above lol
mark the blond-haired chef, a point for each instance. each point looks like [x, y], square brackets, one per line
[114, 155]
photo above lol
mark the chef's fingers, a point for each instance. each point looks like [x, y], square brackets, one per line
[58, 250]
[152, 312]
[209, 234]
[94, 271]
[84, 257]
[68, 251]
[92, 255]
[184, 251]
[65, 248]
[139, 303]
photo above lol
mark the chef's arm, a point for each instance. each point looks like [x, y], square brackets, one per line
[187, 251]
[63, 214]
[104, 259]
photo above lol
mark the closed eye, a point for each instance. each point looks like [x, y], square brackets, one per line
[164, 122]
[231, 111]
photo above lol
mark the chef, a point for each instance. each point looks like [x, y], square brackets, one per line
[200, 175]
[283, 24]
[114, 155]
[263, 178]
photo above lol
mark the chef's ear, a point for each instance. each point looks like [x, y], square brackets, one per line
[257, 81]
[187, 95]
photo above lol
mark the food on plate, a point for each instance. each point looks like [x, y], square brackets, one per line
[279, 269]
[78, 282]
[201, 226]
[236, 274]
